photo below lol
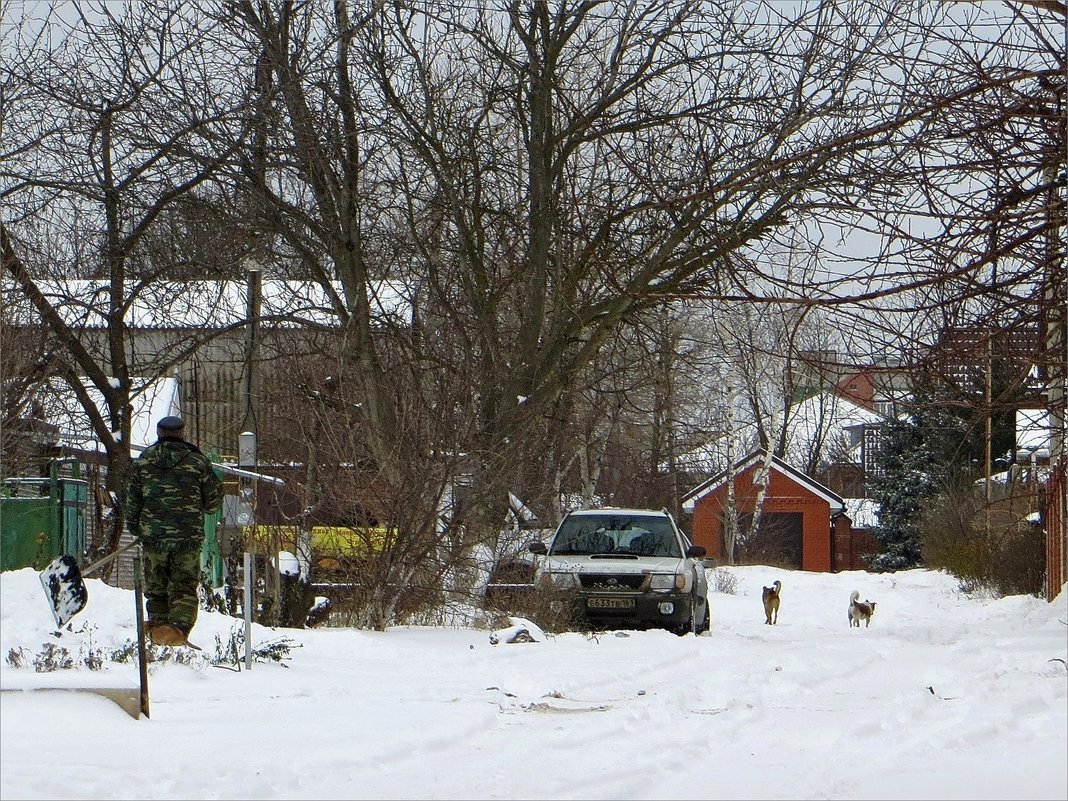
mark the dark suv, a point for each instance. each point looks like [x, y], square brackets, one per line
[627, 568]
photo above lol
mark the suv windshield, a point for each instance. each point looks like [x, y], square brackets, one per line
[582, 535]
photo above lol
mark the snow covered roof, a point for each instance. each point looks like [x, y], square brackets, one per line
[831, 409]
[156, 399]
[1034, 430]
[202, 304]
[822, 417]
[1016, 474]
[863, 512]
[815, 420]
[622, 510]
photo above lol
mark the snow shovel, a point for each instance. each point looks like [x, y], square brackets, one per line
[62, 581]
[63, 584]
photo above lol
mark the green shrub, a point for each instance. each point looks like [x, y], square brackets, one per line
[987, 547]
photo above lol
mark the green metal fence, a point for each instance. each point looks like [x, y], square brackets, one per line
[44, 517]
[41, 518]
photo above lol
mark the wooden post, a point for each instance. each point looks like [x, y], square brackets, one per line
[142, 655]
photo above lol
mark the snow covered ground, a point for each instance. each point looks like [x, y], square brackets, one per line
[944, 696]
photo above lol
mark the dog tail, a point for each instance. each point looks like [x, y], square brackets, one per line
[778, 587]
[855, 596]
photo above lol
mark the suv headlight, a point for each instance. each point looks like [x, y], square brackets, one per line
[667, 581]
[560, 579]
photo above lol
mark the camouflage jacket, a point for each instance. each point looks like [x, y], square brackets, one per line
[169, 488]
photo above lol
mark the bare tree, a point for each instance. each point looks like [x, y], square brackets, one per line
[546, 174]
[532, 240]
[109, 121]
[25, 366]
[541, 181]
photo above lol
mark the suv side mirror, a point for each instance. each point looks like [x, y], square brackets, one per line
[696, 551]
[538, 548]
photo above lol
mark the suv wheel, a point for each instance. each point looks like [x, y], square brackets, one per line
[692, 624]
[706, 623]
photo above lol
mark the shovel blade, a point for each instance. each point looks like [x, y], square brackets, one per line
[63, 584]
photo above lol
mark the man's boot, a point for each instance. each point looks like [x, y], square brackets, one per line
[166, 634]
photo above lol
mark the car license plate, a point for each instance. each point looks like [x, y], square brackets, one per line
[610, 603]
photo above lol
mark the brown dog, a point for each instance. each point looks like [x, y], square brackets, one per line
[860, 610]
[771, 603]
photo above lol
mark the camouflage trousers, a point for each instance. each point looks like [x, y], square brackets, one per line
[172, 576]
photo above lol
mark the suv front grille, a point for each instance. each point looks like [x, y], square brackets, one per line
[611, 581]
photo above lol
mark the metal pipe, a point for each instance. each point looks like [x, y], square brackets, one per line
[249, 600]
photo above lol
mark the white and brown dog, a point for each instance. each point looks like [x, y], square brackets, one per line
[860, 610]
[771, 603]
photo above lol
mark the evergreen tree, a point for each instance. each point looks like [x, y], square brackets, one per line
[918, 457]
[900, 485]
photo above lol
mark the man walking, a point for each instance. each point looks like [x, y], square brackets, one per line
[169, 489]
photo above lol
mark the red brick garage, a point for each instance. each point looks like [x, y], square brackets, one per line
[796, 520]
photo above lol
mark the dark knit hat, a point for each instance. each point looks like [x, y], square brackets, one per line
[170, 425]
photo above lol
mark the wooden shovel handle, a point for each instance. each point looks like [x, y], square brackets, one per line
[104, 560]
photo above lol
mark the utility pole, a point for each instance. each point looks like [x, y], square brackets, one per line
[247, 450]
[250, 387]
